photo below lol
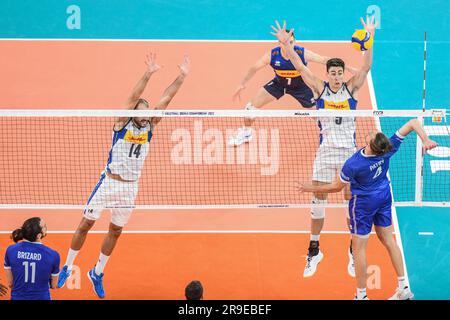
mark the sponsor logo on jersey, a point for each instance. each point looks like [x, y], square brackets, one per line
[277, 63]
[139, 139]
[344, 105]
[287, 73]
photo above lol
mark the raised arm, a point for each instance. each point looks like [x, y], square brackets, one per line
[314, 57]
[171, 90]
[139, 88]
[336, 186]
[310, 79]
[261, 63]
[357, 81]
[414, 125]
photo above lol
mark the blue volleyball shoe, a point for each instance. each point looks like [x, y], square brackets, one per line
[64, 274]
[97, 283]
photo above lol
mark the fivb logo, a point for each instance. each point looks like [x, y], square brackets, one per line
[199, 147]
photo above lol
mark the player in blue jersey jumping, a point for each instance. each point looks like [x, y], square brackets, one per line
[31, 267]
[118, 184]
[287, 80]
[371, 202]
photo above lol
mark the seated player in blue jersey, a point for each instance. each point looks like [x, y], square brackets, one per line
[31, 267]
[336, 134]
[371, 203]
[118, 184]
[287, 80]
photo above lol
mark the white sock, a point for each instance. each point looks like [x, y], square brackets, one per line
[101, 263]
[360, 293]
[401, 282]
[314, 237]
[71, 258]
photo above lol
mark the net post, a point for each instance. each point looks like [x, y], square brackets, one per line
[419, 168]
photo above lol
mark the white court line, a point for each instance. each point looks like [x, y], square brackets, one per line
[394, 210]
[426, 233]
[199, 231]
[168, 40]
[215, 40]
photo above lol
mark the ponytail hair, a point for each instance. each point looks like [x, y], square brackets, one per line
[380, 145]
[29, 230]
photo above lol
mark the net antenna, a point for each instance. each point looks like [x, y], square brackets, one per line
[420, 154]
[424, 95]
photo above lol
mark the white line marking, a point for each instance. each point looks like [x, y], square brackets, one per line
[440, 152]
[169, 40]
[436, 130]
[211, 40]
[438, 166]
[398, 237]
[198, 231]
[426, 233]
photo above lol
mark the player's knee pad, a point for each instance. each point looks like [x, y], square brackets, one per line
[250, 106]
[318, 212]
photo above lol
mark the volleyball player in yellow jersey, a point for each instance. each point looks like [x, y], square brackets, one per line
[287, 80]
[337, 135]
[118, 184]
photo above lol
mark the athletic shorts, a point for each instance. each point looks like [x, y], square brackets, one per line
[367, 210]
[302, 94]
[118, 196]
[329, 161]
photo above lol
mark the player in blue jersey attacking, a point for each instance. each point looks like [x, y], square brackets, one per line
[118, 184]
[31, 267]
[371, 202]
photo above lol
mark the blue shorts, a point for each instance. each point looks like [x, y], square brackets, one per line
[302, 93]
[368, 210]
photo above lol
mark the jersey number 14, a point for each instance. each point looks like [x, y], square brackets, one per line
[135, 150]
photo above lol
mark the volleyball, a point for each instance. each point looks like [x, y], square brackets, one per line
[362, 40]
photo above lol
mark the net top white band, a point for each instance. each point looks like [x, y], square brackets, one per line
[215, 113]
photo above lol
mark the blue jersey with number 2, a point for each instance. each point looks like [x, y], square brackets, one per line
[32, 265]
[368, 174]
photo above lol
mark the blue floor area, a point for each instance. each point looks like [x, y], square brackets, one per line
[427, 257]
[397, 69]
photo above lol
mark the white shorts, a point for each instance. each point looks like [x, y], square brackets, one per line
[329, 161]
[117, 195]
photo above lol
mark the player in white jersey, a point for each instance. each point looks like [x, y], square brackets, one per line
[118, 185]
[337, 134]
